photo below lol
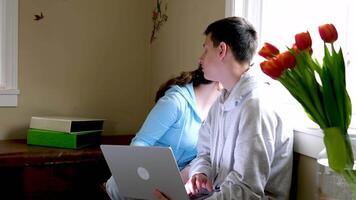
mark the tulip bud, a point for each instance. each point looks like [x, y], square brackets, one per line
[285, 60]
[268, 51]
[270, 68]
[328, 33]
[303, 40]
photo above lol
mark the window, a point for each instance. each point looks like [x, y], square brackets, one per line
[8, 52]
[277, 21]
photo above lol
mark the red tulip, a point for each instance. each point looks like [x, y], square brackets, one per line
[268, 51]
[270, 68]
[285, 60]
[303, 40]
[297, 51]
[328, 33]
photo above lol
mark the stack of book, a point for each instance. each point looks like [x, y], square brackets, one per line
[64, 132]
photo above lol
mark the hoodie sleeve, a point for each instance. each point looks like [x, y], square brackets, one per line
[161, 118]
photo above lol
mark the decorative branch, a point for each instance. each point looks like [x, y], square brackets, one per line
[158, 19]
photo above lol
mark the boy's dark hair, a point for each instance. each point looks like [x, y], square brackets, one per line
[238, 34]
[196, 77]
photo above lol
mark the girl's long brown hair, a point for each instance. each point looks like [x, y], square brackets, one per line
[196, 76]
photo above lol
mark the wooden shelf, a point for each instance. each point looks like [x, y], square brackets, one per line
[34, 172]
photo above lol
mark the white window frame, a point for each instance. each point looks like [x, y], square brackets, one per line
[249, 9]
[8, 53]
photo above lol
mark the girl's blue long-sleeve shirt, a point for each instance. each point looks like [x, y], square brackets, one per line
[173, 122]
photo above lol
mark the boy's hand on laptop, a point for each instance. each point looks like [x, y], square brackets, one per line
[198, 182]
[159, 195]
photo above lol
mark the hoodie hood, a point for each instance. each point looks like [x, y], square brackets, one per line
[244, 86]
[187, 92]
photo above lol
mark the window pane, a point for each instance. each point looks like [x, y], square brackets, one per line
[8, 52]
[282, 19]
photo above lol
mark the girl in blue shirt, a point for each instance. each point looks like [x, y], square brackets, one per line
[182, 104]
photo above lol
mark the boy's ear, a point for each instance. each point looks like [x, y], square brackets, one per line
[222, 49]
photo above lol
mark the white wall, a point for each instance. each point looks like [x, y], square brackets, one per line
[84, 58]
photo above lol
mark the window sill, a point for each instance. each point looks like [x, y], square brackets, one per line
[309, 141]
[8, 98]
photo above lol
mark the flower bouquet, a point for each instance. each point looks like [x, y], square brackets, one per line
[320, 88]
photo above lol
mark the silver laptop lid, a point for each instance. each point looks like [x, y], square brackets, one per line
[138, 171]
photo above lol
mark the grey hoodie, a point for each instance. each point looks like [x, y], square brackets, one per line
[245, 147]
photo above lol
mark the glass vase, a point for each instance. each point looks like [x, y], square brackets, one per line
[335, 185]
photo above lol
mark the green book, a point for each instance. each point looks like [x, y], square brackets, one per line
[63, 139]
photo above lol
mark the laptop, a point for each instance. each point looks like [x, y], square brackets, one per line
[138, 171]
